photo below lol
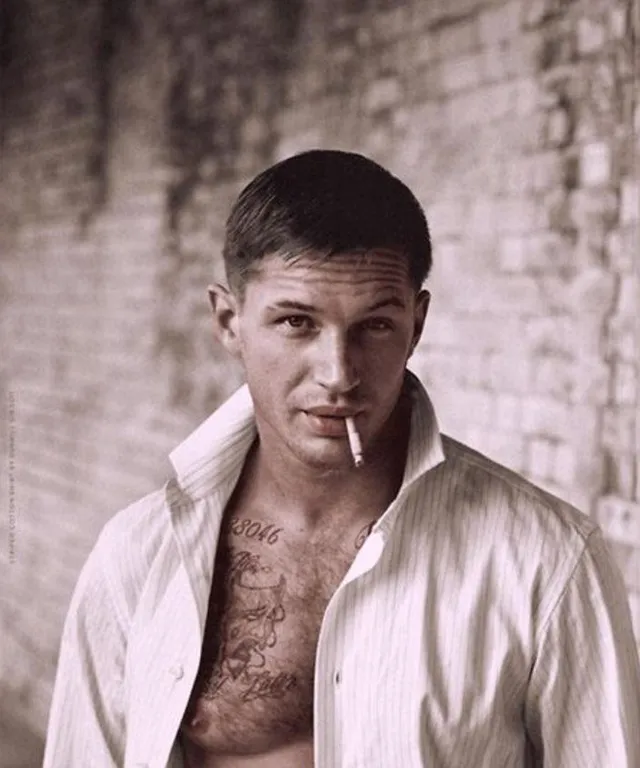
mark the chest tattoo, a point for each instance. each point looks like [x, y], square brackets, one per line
[248, 627]
[254, 529]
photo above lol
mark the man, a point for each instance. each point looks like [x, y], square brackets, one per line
[277, 606]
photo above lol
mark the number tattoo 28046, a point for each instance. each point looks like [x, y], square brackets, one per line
[254, 529]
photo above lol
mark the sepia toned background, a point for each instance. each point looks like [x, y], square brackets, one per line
[127, 127]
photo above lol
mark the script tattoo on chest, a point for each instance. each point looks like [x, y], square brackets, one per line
[248, 628]
[254, 529]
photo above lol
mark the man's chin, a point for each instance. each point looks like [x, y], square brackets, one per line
[325, 456]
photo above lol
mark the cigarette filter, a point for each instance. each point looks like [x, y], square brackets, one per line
[354, 442]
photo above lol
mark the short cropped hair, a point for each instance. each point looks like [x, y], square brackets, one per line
[320, 203]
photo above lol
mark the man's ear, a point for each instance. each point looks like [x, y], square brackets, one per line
[224, 305]
[421, 309]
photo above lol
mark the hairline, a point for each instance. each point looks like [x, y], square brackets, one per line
[239, 281]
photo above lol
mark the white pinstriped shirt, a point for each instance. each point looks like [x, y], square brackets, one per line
[482, 624]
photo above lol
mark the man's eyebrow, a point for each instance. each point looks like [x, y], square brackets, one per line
[294, 305]
[391, 301]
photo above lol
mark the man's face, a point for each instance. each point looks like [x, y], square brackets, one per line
[324, 339]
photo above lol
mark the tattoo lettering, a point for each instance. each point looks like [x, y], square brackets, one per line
[265, 684]
[247, 630]
[364, 532]
[254, 529]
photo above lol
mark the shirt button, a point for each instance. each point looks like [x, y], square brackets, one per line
[337, 677]
[177, 672]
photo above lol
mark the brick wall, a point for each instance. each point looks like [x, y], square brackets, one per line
[128, 127]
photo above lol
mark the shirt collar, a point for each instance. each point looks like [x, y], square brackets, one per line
[215, 451]
[425, 443]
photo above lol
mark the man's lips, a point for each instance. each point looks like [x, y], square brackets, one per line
[332, 412]
[328, 421]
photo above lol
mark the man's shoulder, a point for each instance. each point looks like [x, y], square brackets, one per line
[133, 538]
[146, 516]
[507, 520]
[496, 483]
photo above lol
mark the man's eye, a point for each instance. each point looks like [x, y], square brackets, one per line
[296, 322]
[378, 324]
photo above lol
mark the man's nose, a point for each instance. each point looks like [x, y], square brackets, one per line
[334, 365]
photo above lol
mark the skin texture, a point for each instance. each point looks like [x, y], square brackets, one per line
[330, 335]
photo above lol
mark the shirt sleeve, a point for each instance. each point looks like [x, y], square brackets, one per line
[583, 702]
[86, 721]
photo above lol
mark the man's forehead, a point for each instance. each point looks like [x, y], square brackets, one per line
[353, 267]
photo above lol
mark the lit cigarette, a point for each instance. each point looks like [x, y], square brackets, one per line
[354, 441]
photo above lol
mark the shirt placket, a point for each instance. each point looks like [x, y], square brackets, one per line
[330, 680]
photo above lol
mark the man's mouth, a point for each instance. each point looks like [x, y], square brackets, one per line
[328, 422]
[332, 412]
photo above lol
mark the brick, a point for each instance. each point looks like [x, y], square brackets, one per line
[501, 22]
[479, 403]
[508, 412]
[629, 201]
[500, 99]
[391, 24]
[625, 383]
[617, 23]
[559, 213]
[547, 171]
[540, 458]
[564, 465]
[591, 34]
[255, 130]
[495, 65]
[528, 96]
[555, 377]
[591, 381]
[546, 416]
[619, 427]
[535, 12]
[460, 73]
[519, 177]
[445, 217]
[550, 253]
[506, 448]
[620, 257]
[549, 334]
[627, 558]
[504, 294]
[516, 215]
[473, 369]
[589, 247]
[426, 49]
[513, 256]
[595, 164]
[621, 339]
[293, 144]
[449, 261]
[462, 37]
[559, 130]
[620, 519]
[593, 289]
[383, 94]
[628, 296]
[622, 473]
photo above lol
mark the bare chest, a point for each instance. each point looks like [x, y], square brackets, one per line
[254, 689]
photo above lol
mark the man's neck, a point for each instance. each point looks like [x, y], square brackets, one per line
[310, 496]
